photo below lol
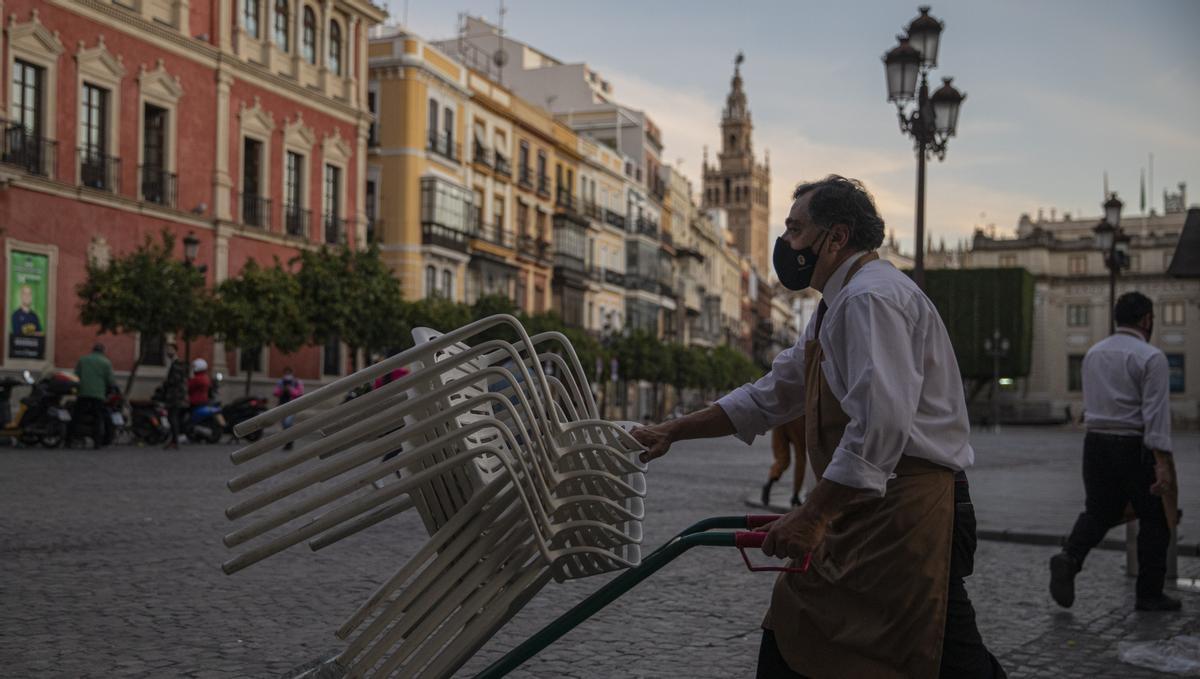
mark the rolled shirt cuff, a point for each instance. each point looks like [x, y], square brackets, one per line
[855, 471]
[1157, 442]
[747, 418]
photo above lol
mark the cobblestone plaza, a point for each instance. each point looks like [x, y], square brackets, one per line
[112, 570]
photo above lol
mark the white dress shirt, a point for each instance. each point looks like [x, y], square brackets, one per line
[889, 362]
[1126, 389]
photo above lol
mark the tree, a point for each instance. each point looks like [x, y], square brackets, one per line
[325, 291]
[378, 318]
[147, 291]
[261, 307]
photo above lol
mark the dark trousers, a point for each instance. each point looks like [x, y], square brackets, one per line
[91, 413]
[175, 415]
[1119, 470]
[963, 654]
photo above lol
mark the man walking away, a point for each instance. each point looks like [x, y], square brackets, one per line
[783, 438]
[1126, 454]
[174, 393]
[95, 374]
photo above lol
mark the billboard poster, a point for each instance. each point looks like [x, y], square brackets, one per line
[28, 290]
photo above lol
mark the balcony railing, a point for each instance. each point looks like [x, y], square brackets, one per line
[296, 220]
[496, 235]
[30, 152]
[614, 277]
[593, 210]
[637, 282]
[502, 165]
[483, 155]
[565, 200]
[100, 171]
[374, 229]
[615, 218]
[525, 179]
[533, 247]
[645, 227]
[433, 233]
[543, 185]
[158, 185]
[256, 210]
[335, 229]
[443, 145]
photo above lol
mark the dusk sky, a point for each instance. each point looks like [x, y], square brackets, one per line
[1057, 93]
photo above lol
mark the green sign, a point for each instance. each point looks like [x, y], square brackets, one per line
[28, 289]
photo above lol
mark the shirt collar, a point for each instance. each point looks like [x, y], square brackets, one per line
[1131, 332]
[838, 280]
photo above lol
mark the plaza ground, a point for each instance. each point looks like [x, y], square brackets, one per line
[112, 558]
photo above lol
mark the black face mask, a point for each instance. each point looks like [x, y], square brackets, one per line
[794, 267]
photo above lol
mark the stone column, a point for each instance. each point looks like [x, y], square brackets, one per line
[224, 25]
[182, 18]
[323, 47]
[360, 182]
[222, 182]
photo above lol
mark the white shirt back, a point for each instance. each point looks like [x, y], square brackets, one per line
[1126, 389]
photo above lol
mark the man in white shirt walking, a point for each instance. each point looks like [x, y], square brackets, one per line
[1126, 454]
[889, 526]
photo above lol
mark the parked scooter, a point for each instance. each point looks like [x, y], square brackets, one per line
[241, 410]
[206, 422]
[41, 417]
[149, 420]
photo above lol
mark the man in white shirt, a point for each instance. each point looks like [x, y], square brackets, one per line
[1126, 454]
[889, 526]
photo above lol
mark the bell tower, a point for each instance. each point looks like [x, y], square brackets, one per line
[739, 184]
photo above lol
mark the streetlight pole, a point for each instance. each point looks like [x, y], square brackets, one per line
[1114, 243]
[191, 248]
[996, 346]
[933, 119]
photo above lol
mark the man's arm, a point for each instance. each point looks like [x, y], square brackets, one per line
[710, 422]
[1156, 418]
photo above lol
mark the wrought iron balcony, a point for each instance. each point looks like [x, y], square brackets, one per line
[593, 211]
[645, 227]
[482, 156]
[256, 210]
[335, 229]
[525, 179]
[441, 235]
[565, 200]
[615, 219]
[98, 170]
[443, 145]
[502, 165]
[32, 153]
[158, 185]
[493, 233]
[296, 220]
[374, 229]
[543, 185]
[614, 277]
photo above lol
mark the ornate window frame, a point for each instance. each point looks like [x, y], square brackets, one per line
[32, 42]
[298, 138]
[158, 88]
[336, 151]
[258, 124]
[97, 66]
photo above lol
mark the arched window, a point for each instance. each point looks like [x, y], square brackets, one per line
[282, 17]
[335, 47]
[308, 42]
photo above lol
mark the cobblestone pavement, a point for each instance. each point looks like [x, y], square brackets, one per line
[111, 563]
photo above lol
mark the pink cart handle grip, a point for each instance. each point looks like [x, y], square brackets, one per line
[755, 520]
[744, 540]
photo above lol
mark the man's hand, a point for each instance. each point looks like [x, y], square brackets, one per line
[795, 534]
[657, 438]
[1164, 476]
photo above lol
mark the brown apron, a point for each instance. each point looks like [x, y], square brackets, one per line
[873, 602]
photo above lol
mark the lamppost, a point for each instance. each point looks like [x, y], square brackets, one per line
[191, 248]
[1114, 243]
[996, 346]
[933, 119]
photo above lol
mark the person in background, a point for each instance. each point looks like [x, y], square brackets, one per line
[288, 388]
[1126, 454]
[95, 374]
[174, 393]
[199, 386]
[783, 438]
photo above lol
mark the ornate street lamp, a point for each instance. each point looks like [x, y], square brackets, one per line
[1113, 242]
[933, 119]
[191, 248]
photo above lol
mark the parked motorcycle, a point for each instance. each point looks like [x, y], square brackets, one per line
[241, 410]
[206, 422]
[41, 417]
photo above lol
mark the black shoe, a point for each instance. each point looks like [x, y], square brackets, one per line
[1162, 602]
[1063, 568]
[795, 499]
[766, 493]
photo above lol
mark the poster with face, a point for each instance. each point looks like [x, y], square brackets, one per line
[28, 281]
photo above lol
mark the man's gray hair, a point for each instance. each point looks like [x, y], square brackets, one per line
[838, 200]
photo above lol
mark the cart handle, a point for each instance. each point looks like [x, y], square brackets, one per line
[750, 539]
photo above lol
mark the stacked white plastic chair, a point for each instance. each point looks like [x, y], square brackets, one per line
[515, 477]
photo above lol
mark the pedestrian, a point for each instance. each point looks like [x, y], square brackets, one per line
[199, 386]
[95, 374]
[174, 393]
[288, 388]
[889, 529]
[784, 438]
[1126, 454]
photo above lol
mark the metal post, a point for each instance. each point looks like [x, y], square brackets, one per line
[923, 123]
[1112, 284]
[996, 386]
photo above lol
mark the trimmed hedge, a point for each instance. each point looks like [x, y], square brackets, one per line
[973, 303]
